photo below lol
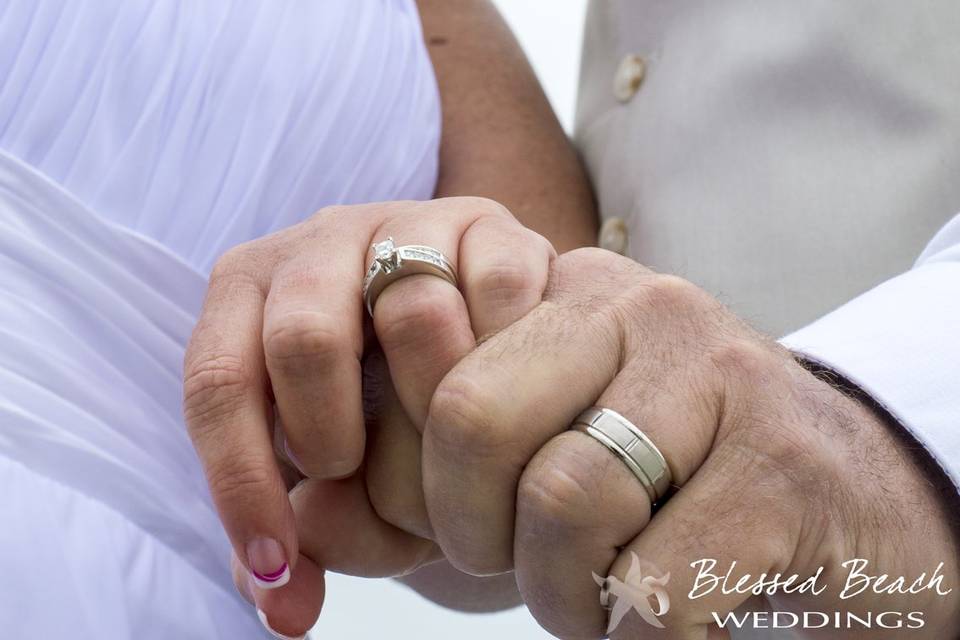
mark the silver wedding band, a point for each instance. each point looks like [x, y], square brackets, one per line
[391, 263]
[631, 445]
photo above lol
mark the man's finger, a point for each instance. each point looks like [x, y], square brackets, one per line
[718, 518]
[577, 505]
[228, 414]
[439, 582]
[496, 408]
[394, 480]
[576, 495]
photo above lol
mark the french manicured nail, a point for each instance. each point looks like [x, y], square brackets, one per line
[266, 625]
[268, 563]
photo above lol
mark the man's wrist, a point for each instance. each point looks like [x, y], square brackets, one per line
[943, 486]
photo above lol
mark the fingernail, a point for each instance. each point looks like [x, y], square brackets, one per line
[266, 625]
[291, 457]
[338, 469]
[268, 563]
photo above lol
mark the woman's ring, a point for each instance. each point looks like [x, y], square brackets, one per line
[391, 263]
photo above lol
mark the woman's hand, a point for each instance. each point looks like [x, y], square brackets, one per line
[282, 334]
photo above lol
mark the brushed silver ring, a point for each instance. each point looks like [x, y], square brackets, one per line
[622, 438]
[391, 263]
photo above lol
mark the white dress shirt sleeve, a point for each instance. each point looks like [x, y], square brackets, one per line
[900, 344]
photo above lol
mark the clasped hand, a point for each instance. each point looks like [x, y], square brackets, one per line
[439, 434]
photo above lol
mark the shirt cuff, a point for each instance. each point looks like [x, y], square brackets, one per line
[900, 344]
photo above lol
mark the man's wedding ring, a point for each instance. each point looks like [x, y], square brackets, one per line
[631, 445]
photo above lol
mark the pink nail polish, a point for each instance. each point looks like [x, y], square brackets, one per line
[268, 563]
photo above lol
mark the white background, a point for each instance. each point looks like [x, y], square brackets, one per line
[361, 609]
[552, 39]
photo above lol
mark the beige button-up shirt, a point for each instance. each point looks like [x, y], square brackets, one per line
[784, 155]
[788, 156]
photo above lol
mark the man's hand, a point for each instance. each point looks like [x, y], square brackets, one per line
[775, 469]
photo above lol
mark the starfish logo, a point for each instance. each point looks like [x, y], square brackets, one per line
[634, 592]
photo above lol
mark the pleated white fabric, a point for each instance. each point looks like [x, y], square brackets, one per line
[139, 139]
[107, 524]
[203, 124]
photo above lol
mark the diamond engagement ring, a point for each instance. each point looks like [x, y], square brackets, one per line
[391, 263]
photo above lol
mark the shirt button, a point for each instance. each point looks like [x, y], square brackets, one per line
[629, 77]
[613, 235]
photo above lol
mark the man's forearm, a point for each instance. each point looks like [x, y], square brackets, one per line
[501, 139]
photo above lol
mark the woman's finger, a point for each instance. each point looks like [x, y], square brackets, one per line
[313, 342]
[228, 414]
[292, 611]
[313, 322]
[421, 321]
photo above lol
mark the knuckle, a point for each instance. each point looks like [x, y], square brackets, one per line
[674, 289]
[239, 262]
[595, 258]
[418, 312]
[507, 282]
[545, 245]
[485, 206]
[337, 211]
[461, 418]
[588, 259]
[793, 455]
[552, 494]
[328, 223]
[742, 359]
[234, 479]
[301, 336]
[775, 457]
[607, 272]
[212, 386]
[663, 292]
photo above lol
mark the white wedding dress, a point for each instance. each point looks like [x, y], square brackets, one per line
[140, 139]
